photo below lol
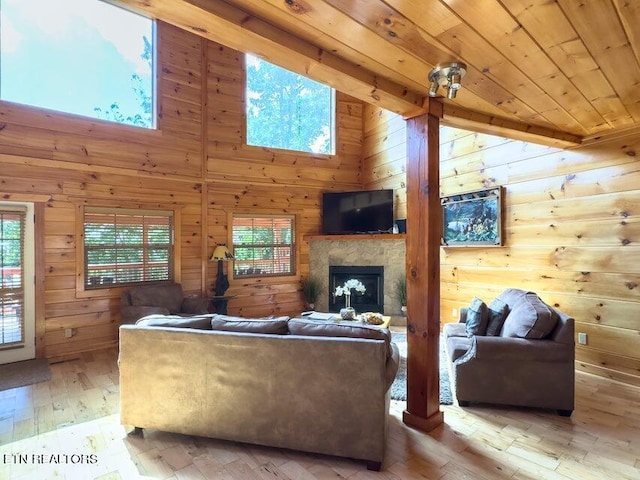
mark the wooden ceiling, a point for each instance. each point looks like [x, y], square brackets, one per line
[564, 69]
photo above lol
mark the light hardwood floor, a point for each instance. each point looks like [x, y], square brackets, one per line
[73, 419]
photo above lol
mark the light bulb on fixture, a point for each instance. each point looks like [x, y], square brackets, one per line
[448, 76]
[433, 88]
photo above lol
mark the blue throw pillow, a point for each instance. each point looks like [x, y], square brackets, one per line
[498, 311]
[477, 318]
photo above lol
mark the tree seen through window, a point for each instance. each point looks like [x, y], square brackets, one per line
[286, 110]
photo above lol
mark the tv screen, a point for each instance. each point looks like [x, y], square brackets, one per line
[369, 211]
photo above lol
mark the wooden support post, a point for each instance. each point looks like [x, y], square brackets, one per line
[424, 228]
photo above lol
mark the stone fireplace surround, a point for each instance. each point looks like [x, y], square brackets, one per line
[358, 250]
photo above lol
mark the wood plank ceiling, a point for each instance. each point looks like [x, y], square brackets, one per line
[565, 69]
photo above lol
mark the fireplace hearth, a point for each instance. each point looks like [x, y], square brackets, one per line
[372, 277]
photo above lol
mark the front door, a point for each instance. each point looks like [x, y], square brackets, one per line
[17, 298]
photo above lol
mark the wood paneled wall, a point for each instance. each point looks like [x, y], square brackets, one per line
[255, 180]
[571, 230]
[194, 162]
[385, 152]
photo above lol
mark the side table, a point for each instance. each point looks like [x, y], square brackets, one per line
[219, 303]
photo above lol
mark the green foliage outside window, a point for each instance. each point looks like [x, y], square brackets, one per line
[286, 110]
[10, 239]
[263, 246]
[123, 247]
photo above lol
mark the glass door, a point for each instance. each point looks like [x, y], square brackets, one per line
[17, 325]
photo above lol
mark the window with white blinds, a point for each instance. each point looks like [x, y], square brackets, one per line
[263, 245]
[127, 247]
[12, 225]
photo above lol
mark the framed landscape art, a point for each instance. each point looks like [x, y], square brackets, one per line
[472, 219]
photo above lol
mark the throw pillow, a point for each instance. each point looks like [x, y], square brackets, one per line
[277, 325]
[530, 318]
[300, 326]
[477, 317]
[498, 311]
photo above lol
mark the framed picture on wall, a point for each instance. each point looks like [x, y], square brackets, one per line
[472, 219]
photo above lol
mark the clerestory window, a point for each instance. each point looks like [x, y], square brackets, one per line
[288, 111]
[85, 57]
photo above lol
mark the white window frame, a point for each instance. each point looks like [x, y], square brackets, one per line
[332, 108]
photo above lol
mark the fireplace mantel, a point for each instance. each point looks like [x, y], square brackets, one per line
[359, 236]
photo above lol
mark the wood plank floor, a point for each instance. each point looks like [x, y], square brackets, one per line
[68, 428]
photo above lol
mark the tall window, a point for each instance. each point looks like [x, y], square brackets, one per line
[263, 245]
[286, 110]
[12, 223]
[78, 56]
[127, 246]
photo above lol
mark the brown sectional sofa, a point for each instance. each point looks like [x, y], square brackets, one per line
[529, 361]
[308, 385]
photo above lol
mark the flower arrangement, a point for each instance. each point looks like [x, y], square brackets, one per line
[346, 290]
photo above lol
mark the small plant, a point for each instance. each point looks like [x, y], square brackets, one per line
[401, 293]
[311, 290]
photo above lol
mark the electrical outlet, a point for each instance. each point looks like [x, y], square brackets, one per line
[454, 312]
[68, 332]
[582, 338]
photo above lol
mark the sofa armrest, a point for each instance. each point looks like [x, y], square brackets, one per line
[463, 315]
[133, 313]
[517, 350]
[195, 305]
[393, 363]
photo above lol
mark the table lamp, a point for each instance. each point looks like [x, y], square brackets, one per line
[221, 254]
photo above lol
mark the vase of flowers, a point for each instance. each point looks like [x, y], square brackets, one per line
[348, 312]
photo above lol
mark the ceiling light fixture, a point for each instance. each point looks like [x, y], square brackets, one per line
[448, 76]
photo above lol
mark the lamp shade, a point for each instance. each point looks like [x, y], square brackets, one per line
[221, 252]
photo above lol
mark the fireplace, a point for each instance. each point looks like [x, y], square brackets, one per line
[371, 277]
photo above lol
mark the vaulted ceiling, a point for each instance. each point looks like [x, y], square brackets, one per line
[564, 69]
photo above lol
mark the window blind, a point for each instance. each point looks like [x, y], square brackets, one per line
[12, 224]
[127, 246]
[263, 245]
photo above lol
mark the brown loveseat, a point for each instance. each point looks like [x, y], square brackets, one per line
[528, 360]
[301, 384]
[138, 302]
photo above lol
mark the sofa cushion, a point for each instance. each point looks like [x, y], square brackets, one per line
[498, 311]
[511, 296]
[477, 317]
[529, 318]
[200, 322]
[322, 328]
[167, 296]
[227, 323]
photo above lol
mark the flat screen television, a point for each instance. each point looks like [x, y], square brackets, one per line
[368, 211]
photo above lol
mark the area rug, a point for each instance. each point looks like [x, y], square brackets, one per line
[28, 372]
[399, 387]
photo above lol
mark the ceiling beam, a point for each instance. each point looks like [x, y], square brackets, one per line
[503, 127]
[220, 22]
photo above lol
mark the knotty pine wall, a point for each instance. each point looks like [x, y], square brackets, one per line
[571, 229]
[245, 179]
[194, 162]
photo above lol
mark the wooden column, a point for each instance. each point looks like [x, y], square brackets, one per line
[423, 269]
